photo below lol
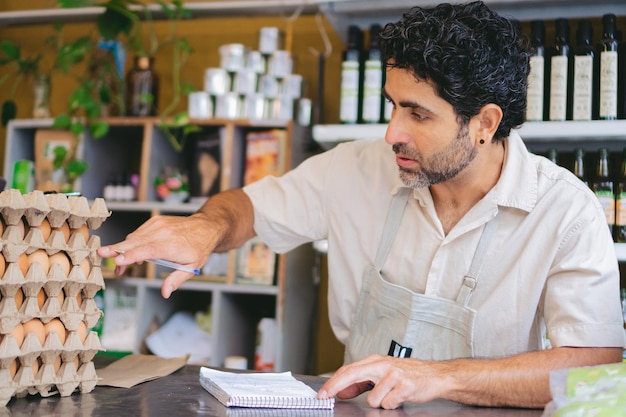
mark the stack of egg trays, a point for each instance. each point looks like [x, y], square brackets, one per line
[33, 208]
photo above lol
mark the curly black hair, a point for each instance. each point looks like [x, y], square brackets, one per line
[471, 54]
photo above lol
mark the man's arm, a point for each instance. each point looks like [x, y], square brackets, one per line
[517, 381]
[224, 222]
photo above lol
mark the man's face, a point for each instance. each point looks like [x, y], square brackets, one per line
[431, 146]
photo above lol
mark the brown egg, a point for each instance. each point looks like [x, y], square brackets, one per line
[82, 331]
[86, 266]
[84, 230]
[76, 363]
[55, 325]
[35, 326]
[62, 260]
[61, 297]
[46, 229]
[41, 298]
[65, 228]
[22, 262]
[3, 266]
[41, 257]
[13, 368]
[19, 298]
[79, 298]
[57, 363]
[18, 333]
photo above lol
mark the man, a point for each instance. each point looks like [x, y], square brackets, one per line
[442, 282]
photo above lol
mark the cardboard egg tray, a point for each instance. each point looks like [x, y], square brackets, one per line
[49, 367]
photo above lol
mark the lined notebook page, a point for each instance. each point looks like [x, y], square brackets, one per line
[261, 390]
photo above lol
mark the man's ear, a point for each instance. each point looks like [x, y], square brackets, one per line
[487, 121]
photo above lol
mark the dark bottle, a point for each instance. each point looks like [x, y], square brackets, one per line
[553, 155]
[603, 187]
[620, 203]
[584, 78]
[142, 88]
[351, 89]
[608, 71]
[373, 80]
[560, 85]
[579, 166]
[535, 95]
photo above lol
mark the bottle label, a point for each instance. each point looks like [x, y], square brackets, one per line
[372, 90]
[349, 101]
[534, 106]
[607, 201]
[620, 210]
[388, 110]
[583, 80]
[558, 88]
[608, 85]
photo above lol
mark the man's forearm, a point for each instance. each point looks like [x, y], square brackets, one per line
[521, 380]
[232, 217]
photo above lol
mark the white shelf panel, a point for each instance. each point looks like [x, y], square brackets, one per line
[330, 135]
[197, 9]
[573, 130]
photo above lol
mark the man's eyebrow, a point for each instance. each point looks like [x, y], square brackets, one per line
[408, 104]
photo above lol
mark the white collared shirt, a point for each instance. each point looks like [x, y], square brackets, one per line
[551, 261]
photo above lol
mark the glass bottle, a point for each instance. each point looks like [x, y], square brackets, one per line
[351, 89]
[603, 187]
[142, 88]
[584, 74]
[41, 96]
[560, 64]
[373, 80]
[536, 77]
[608, 74]
[579, 166]
[620, 203]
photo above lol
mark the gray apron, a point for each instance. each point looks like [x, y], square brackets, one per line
[392, 320]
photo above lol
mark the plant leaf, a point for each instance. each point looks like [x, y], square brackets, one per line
[62, 121]
[99, 129]
[115, 20]
[74, 3]
[76, 168]
[11, 50]
[59, 153]
[77, 128]
[9, 111]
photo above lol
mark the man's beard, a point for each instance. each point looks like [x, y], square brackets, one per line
[442, 166]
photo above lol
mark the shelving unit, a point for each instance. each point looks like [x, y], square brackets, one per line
[137, 145]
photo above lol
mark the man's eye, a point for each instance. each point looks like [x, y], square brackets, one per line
[418, 116]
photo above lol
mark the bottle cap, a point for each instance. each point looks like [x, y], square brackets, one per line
[562, 29]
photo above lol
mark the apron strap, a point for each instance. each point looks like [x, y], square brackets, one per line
[471, 279]
[392, 223]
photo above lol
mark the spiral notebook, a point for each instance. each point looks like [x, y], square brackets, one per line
[261, 390]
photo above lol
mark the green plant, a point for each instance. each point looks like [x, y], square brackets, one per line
[69, 166]
[25, 67]
[175, 126]
[134, 20]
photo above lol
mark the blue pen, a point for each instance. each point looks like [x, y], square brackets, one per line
[168, 264]
[174, 265]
